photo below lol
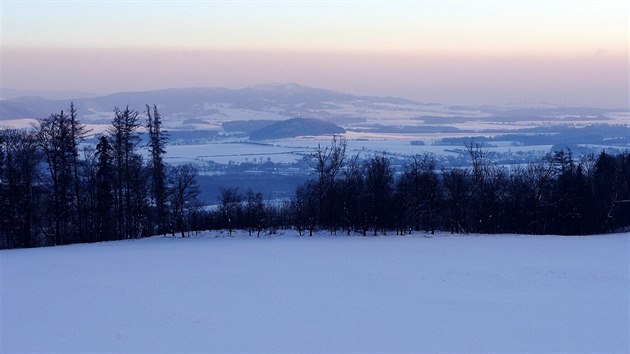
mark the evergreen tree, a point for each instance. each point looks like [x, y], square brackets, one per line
[105, 227]
[157, 150]
[125, 140]
[604, 190]
[19, 191]
[78, 132]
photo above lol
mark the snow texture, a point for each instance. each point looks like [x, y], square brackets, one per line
[215, 293]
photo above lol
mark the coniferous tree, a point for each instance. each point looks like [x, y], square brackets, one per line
[105, 226]
[78, 132]
[124, 142]
[604, 190]
[157, 150]
[19, 190]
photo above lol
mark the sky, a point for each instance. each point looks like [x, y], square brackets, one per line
[456, 52]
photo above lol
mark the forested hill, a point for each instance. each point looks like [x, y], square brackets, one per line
[296, 127]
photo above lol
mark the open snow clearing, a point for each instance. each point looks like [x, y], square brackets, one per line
[281, 293]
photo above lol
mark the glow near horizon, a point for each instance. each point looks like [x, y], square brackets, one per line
[544, 27]
[592, 32]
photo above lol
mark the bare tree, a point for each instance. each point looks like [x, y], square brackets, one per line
[379, 179]
[480, 159]
[456, 192]
[184, 192]
[54, 136]
[254, 212]
[328, 163]
[230, 200]
[538, 176]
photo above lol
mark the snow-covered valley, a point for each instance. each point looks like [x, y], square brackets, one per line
[281, 293]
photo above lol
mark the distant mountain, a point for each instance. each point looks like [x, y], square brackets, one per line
[291, 128]
[208, 108]
[275, 101]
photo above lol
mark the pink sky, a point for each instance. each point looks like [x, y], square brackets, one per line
[458, 52]
[600, 79]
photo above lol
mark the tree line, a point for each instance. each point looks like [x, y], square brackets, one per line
[556, 195]
[54, 192]
[559, 194]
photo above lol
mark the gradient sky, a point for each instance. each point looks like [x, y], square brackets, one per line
[468, 52]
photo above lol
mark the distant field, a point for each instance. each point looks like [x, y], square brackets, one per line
[281, 293]
[292, 150]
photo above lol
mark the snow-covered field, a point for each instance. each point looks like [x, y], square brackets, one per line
[214, 293]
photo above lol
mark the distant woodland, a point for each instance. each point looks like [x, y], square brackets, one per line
[52, 192]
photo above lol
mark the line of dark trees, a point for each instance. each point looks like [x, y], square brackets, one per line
[556, 195]
[53, 192]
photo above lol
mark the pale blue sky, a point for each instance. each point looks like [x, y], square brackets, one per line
[412, 43]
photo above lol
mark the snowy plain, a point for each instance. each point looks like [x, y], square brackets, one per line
[284, 293]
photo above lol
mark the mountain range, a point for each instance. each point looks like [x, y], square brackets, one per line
[274, 101]
[203, 108]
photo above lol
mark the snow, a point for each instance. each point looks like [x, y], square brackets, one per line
[215, 293]
[223, 153]
[23, 123]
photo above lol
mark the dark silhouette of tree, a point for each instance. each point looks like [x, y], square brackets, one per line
[230, 206]
[481, 161]
[55, 138]
[424, 189]
[105, 226]
[78, 132]
[124, 142]
[254, 212]
[379, 179]
[488, 203]
[402, 202]
[456, 184]
[538, 178]
[20, 194]
[304, 207]
[605, 191]
[328, 164]
[352, 194]
[157, 150]
[569, 195]
[184, 192]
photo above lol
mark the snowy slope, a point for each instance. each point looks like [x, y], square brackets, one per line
[286, 293]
